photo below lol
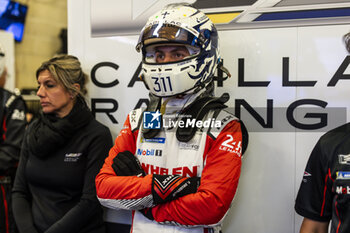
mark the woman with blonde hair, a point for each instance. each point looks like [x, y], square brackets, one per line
[62, 152]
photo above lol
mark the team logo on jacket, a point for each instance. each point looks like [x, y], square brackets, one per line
[18, 115]
[306, 174]
[152, 120]
[344, 159]
[153, 140]
[188, 146]
[343, 175]
[225, 120]
[147, 152]
[231, 145]
[72, 157]
[343, 189]
[182, 171]
[133, 116]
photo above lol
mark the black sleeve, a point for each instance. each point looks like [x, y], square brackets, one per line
[314, 199]
[21, 198]
[78, 216]
[13, 127]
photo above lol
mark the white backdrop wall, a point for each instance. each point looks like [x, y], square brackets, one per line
[281, 60]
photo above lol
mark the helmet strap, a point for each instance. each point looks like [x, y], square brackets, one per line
[163, 106]
[221, 70]
[197, 111]
[144, 82]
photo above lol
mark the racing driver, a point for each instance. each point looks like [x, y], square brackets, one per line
[177, 163]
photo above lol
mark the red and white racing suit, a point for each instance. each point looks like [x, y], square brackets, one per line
[214, 155]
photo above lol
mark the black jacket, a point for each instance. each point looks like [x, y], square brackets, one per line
[13, 123]
[55, 192]
[12, 128]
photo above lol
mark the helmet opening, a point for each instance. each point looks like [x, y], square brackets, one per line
[165, 53]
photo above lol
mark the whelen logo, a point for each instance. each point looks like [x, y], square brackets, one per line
[182, 171]
[147, 152]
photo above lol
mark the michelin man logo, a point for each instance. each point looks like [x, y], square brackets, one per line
[152, 120]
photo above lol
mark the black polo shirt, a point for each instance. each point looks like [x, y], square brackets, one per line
[324, 192]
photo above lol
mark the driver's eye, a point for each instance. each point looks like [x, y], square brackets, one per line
[160, 56]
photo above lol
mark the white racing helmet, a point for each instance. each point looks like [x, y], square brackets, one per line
[179, 25]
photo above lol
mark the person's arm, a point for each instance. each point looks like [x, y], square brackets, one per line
[311, 226]
[123, 192]
[13, 128]
[314, 198]
[205, 207]
[77, 217]
[218, 185]
[21, 198]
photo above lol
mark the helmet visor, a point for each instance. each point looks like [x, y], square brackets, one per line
[165, 32]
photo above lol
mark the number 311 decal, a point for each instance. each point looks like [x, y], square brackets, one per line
[162, 83]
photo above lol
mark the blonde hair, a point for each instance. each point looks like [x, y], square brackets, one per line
[66, 69]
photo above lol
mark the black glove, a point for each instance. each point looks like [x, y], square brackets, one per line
[166, 188]
[147, 212]
[126, 164]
